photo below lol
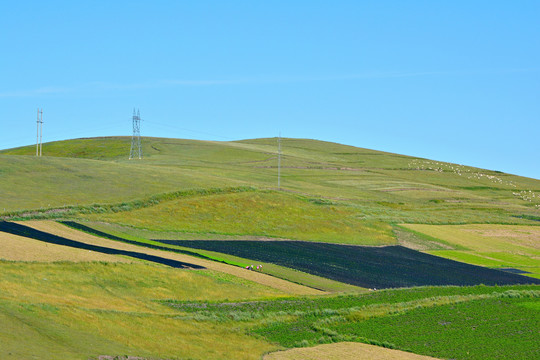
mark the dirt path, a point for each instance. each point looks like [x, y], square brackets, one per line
[57, 229]
[344, 351]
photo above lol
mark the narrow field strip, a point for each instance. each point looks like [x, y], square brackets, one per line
[57, 229]
[22, 230]
[344, 351]
[19, 248]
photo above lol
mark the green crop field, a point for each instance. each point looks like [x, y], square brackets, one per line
[208, 190]
[442, 322]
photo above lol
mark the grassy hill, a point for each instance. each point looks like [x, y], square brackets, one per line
[187, 189]
[331, 187]
[193, 190]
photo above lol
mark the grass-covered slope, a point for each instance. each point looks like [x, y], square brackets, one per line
[28, 182]
[81, 311]
[259, 213]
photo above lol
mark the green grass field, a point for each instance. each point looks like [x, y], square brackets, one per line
[187, 189]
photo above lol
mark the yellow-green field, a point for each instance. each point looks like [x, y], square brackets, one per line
[76, 311]
[498, 246]
[262, 214]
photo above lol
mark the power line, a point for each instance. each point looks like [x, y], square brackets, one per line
[189, 130]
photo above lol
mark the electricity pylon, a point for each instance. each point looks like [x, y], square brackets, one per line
[136, 150]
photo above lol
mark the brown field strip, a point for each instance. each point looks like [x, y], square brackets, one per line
[344, 351]
[57, 229]
[18, 248]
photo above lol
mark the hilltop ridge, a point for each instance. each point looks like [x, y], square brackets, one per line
[309, 166]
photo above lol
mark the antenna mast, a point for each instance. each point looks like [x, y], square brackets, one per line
[279, 163]
[136, 150]
[39, 144]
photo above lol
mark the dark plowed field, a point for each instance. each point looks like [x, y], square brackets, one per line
[370, 267]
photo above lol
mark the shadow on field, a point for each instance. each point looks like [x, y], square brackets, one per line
[364, 266]
[28, 232]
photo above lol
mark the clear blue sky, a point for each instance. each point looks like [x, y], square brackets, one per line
[456, 81]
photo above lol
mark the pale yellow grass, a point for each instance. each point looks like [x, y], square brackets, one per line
[344, 351]
[58, 229]
[520, 235]
[518, 239]
[120, 287]
[18, 248]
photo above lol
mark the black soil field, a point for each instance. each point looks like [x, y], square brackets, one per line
[21, 230]
[369, 267]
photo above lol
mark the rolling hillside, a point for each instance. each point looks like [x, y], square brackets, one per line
[130, 263]
[321, 182]
[187, 189]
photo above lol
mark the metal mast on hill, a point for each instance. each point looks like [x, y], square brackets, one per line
[136, 150]
[39, 144]
[279, 163]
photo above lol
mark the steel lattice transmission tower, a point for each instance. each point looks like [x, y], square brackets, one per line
[136, 151]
